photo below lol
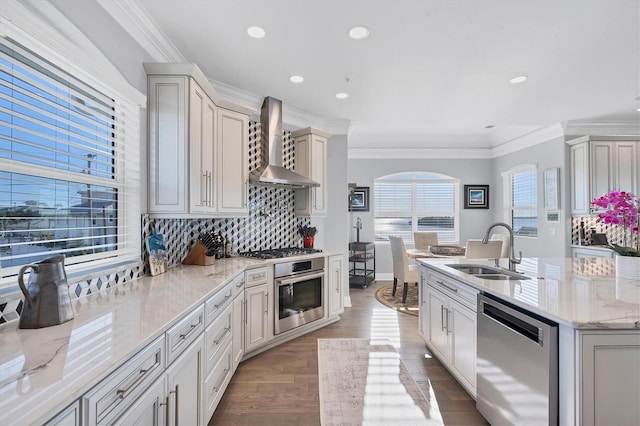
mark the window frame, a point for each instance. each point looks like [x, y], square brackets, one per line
[127, 110]
[508, 195]
[415, 213]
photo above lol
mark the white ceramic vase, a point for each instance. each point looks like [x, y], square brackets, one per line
[628, 267]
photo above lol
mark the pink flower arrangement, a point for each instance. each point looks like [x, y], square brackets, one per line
[622, 208]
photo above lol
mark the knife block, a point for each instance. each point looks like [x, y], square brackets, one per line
[198, 256]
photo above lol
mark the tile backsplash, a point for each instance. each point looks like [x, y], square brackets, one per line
[271, 222]
[614, 233]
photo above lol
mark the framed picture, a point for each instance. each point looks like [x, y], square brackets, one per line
[476, 196]
[551, 189]
[359, 200]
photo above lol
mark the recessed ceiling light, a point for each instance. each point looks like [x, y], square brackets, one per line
[518, 79]
[489, 126]
[359, 32]
[342, 95]
[296, 79]
[256, 32]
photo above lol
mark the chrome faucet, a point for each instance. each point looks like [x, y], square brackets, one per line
[512, 256]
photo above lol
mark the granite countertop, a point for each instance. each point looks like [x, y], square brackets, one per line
[44, 370]
[582, 293]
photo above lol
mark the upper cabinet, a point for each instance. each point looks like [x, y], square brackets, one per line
[311, 162]
[198, 146]
[600, 165]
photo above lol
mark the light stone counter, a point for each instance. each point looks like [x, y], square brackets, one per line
[44, 370]
[582, 293]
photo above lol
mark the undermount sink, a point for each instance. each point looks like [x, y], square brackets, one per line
[488, 272]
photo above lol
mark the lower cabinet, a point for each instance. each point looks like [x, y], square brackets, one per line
[448, 324]
[237, 330]
[608, 362]
[258, 311]
[184, 386]
[70, 416]
[150, 409]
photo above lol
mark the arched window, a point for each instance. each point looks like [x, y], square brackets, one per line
[416, 201]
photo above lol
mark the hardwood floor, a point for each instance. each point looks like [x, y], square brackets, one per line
[280, 386]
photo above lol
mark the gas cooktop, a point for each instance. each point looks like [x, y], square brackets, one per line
[279, 252]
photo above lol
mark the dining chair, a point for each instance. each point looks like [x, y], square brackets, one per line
[477, 250]
[505, 243]
[423, 239]
[402, 271]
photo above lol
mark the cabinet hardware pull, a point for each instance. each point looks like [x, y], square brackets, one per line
[221, 337]
[455, 290]
[206, 187]
[222, 301]
[176, 416]
[210, 187]
[441, 317]
[184, 336]
[245, 311]
[166, 410]
[240, 284]
[266, 306]
[122, 393]
[337, 281]
[447, 315]
[224, 374]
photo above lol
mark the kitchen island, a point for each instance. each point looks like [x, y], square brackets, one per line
[598, 318]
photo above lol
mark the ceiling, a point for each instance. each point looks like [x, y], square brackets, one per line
[432, 73]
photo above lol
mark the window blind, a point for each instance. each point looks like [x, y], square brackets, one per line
[418, 201]
[69, 165]
[524, 196]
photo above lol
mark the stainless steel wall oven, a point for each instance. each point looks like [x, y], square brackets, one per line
[299, 290]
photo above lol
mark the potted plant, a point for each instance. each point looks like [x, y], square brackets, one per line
[622, 208]
[307, 233]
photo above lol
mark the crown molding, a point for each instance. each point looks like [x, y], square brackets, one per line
[609, 128]
[527, 140]
[140, 26]
[418, 153]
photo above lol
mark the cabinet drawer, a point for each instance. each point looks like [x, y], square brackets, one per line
[108, 400]
[216, 336]
[181, 335]
[455, 289]
[216, 303]
[238, 285]
[254, 277]
[217, 381]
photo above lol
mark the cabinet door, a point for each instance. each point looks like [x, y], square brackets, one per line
[335, 285]
[318, 167]
[167, 144]
[237, 329]
[258, 312]
[609, 377]
[184, 386]
[232, 163]
[580, 185]
[602, 164]
[149, 409]
[626, 166]
[202, 115]
[437, 337]
[70, 416]
[462, 344]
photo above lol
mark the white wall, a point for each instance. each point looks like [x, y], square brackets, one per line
[553, 239]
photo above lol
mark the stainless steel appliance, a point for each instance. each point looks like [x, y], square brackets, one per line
[517, 365]
[299, 293]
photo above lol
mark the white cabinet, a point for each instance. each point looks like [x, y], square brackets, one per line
[184, 386]
[258, 309]
[448, 324]
[610, 362]
[600, 166]
[232, 163]
[149, 409]
[198, 146]
[237, 338]
[311, 162]
[336, 284]
[70, 416]
[586, 252]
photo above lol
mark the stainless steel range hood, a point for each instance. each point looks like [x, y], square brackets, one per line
[273, 173]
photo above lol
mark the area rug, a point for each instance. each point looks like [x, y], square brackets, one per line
[411, 307]
[363, 382]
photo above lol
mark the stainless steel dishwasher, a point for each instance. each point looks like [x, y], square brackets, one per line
[517, 365]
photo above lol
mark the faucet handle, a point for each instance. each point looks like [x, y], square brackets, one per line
[519, 259]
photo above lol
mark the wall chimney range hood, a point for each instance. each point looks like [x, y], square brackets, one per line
[274, 173]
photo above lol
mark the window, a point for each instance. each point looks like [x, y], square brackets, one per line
[522, 185]
[64, 181]
[416, 201]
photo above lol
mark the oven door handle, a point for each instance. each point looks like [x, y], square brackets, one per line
[298, 278]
